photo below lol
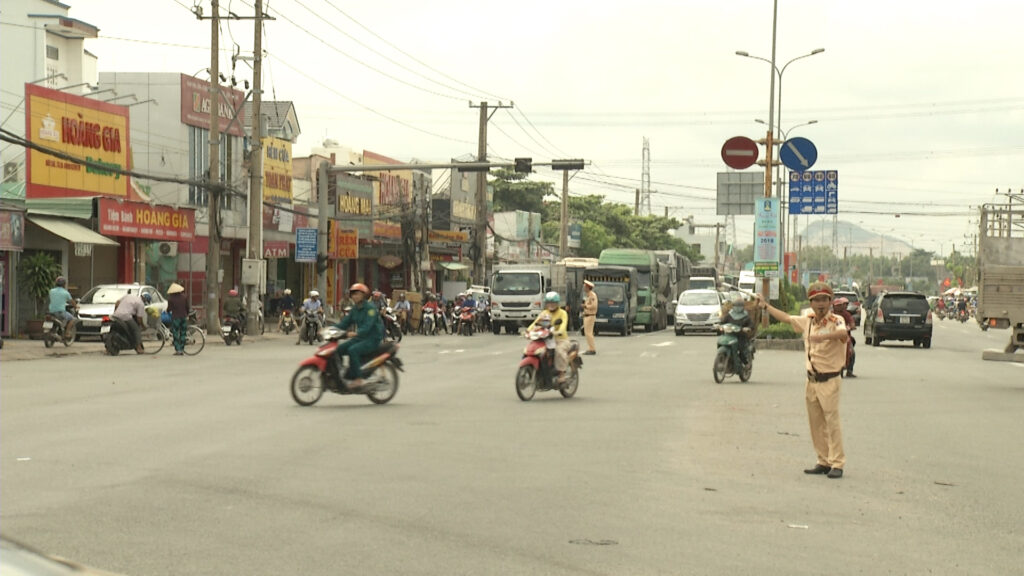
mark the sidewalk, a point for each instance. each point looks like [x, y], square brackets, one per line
[24, 349]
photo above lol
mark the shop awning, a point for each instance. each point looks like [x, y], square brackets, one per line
[453, 266]
[71, 231]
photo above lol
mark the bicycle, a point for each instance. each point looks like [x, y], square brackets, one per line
[159, 335]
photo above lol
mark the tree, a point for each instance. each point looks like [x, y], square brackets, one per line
[512, 191]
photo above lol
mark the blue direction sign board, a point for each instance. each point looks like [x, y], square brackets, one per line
[305, 244]
[814, 192]
[798, 154]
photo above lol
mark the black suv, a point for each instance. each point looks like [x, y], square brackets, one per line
[853, 307]
[899, 316]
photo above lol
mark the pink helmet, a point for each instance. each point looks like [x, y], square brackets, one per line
[232, 292]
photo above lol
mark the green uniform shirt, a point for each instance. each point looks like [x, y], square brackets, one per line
[365, 319]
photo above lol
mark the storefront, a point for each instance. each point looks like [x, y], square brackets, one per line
[12, 241]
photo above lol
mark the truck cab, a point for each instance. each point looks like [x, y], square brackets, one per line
[616, 289]
[517, 296]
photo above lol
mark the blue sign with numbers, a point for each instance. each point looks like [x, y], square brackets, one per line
[814, 192]
[798, 154]
[305, 244]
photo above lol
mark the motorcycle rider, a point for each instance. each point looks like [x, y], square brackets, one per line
[379, 300]
[403, 309]
[233, 306]
[60, 299]
[553, 313]
[839, 308]
[287, 304]
[131, 310]
[961, 306]
[365, 333]
[311, 307]
[467, 302]
[432, 306]
[739, 317]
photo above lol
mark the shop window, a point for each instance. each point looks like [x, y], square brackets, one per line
[52, 52]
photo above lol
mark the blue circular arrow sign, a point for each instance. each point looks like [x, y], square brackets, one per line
[798, 154]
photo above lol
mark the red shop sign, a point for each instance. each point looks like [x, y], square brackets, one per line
[138, 220]
[275, 248]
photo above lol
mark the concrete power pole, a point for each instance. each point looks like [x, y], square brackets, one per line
[256, 171]
[213, 193]
[563, 246]
[425, 238]
[480, 263]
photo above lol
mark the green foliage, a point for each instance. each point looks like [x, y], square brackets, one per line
[780, 331]
[37, 274]
[512, 191]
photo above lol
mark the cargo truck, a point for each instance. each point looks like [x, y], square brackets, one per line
[678, 278]
[517, 291]
[616, 289]
[1001, 275]
[652, 291]
[703, 278]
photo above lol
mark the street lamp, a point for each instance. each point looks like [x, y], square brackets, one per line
[779, 73]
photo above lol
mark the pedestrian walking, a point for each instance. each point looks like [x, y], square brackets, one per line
[177, 305]
[589, 316]
[825, 336]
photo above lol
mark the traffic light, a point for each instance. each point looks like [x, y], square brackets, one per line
[321, 263]
[524, 165]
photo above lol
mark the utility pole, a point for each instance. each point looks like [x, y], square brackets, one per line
[563, 246]
[636, 203]
[213, 193]
[322, 226]
[256, 172]
[480, 263]
[765, 282]
[425, 239]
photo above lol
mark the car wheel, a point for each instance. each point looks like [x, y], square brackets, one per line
[927, 343]
[679, 332]
[876, 342]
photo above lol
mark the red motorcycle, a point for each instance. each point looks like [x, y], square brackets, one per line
[323, 371]
[537, 368]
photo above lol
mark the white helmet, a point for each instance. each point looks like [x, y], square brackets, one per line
[314, 294]
[287, 291]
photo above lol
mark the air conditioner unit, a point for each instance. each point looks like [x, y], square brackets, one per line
[169, 249]
[10, 169]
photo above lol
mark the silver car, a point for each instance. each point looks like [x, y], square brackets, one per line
[99, 302]
[698, 311]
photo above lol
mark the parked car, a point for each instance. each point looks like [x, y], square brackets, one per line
[99, 302]
[899, 316]
[854, 307]
[698, 311]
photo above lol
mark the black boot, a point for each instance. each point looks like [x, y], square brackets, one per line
[849, 366]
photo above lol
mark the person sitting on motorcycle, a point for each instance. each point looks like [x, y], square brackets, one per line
[365, 333]
[233, 306]
[131, 310]
[560, 330]
[287, 304]
[432, 305]
[403, 309]
[60, 299]
[961, 306]
[839, 309]
[940, 306]
[312, 308]
[739, 317]
[379, 300]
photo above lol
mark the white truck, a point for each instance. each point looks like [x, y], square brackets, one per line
[517, 293]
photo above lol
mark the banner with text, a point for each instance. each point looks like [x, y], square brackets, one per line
[344, 242]
[766, 235]
[277, 170]
[138, 220]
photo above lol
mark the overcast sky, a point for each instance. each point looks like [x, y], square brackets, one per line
[920, 107]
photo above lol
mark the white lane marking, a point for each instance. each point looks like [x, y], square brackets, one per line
[459, 351]
[648, 354]
[662, 344]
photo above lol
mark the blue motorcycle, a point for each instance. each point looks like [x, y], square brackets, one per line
[728, 360]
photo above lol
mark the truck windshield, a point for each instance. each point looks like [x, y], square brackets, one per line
[643, 279]
[512, 283]
[702, 283]
[606, 293]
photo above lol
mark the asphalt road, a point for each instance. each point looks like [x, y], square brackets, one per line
[177, 465]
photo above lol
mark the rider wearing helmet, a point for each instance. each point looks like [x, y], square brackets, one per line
[379, 300]
[311, 307]
[233, 304]
[131, 311]
[559, 328]
[60, 299]
[839, 309]
[738, 316]
[286, 304]
[365, 333]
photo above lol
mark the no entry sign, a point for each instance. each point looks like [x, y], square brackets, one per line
[739, 152]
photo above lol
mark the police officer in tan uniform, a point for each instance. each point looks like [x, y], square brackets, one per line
[589, 316]
[825, 337]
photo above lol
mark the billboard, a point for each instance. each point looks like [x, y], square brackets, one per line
[140, 220]
[196, 104]
[737, 192]
[344, 242]
[277, 170]
[80, 127]
[393, 188]
[766, 235]
[12, 230]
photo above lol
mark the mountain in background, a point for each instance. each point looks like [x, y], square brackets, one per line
[854, 239]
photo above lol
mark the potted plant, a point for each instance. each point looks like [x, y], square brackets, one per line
[37, 274]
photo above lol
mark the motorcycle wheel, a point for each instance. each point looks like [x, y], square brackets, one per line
[111, 347]
[572, 383]
[307, 385]
[526, 385]
[748, 368]
[389, 386]
[396, 333]
[71, 334]
[721, 366]
[48, 339]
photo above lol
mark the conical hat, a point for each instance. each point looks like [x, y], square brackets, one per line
[175, 288]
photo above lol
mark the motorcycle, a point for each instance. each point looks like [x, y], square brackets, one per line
[311, 325]
[728, 359]
[323, 371]
[231, 330]
[483, 319]
[55, 330]
[115, 335]
[963, 316]
[428, 325]
[287, 322]
[392, 329]
[537, 368]
[467, 321]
